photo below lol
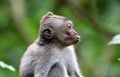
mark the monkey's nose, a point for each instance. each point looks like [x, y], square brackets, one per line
[75, 33]
[78, 37]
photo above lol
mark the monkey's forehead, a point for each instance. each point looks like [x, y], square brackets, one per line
[56, 16]
[55, 21]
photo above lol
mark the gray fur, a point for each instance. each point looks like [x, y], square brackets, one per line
[49, 61]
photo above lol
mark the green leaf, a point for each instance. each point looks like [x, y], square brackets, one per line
[118, 59]
[4, 65]
[115, 40]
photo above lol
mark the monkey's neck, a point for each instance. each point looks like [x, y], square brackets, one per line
[51, 43]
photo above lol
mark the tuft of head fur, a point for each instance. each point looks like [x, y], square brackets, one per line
[49, 15]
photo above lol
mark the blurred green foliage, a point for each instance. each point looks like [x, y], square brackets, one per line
[97, 21]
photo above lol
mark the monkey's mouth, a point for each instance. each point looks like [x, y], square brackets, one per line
[72, 39]
[75, 40]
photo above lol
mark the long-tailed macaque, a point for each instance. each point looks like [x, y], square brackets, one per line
[52, 53]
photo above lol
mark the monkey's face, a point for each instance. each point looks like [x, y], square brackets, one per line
[66, 35]
[59, 31]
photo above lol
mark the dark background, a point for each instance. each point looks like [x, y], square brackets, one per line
[96, 21]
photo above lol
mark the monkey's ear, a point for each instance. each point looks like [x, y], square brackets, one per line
[47, 34]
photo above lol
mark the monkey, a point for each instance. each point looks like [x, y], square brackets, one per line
[52, 54]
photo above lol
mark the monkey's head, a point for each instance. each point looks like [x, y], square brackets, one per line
[57, 30]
